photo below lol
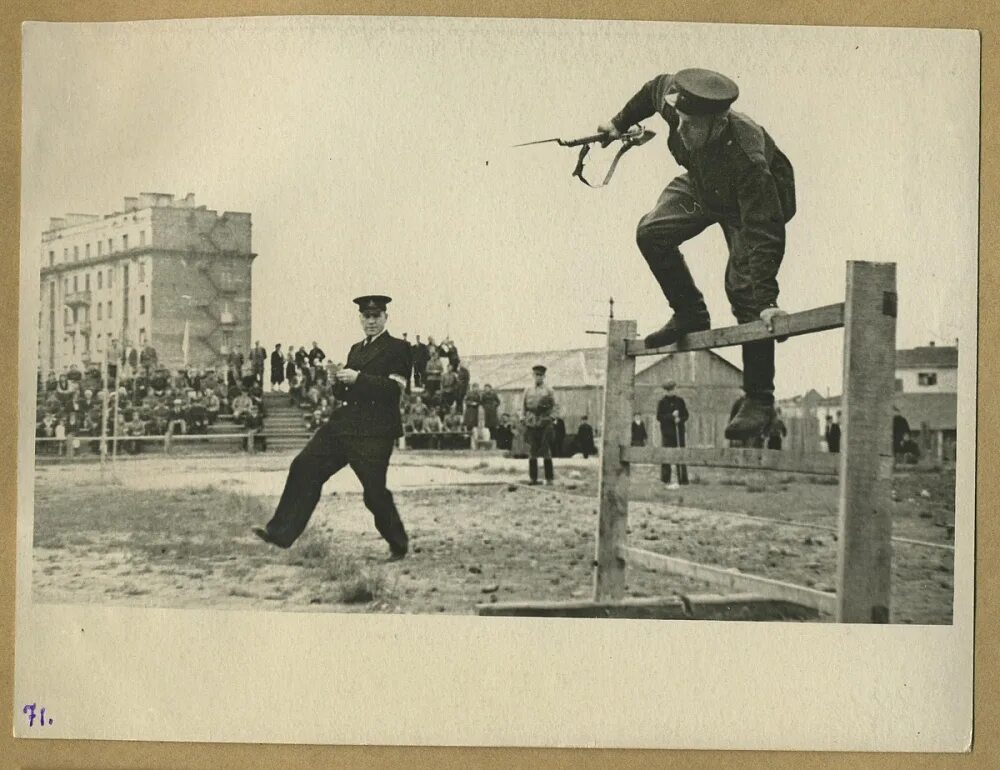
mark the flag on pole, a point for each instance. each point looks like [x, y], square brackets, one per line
[186, 341]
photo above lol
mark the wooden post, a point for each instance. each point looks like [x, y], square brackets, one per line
[864, 559]
[613, 483]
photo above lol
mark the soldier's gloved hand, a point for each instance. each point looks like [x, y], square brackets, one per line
[768, 314]
[609, 129]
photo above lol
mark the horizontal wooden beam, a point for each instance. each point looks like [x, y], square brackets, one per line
[818, 319]
[819, 463]
[692, 607]
[731, 579]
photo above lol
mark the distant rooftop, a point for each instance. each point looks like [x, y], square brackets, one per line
[931, 356]
[146, 200]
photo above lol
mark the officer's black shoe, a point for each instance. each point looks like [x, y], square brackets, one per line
[264, 535]
[676, 328]
[395, 555]
[751, 421]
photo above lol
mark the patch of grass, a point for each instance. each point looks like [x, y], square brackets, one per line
[241, 592]
[314, 549]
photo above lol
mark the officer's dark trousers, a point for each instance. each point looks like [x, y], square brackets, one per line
[676, 218]
[669, 438]
[324, 455]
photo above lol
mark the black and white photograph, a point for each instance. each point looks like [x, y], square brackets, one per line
[461, 355]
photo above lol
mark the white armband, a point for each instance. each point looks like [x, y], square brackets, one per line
[399, 380]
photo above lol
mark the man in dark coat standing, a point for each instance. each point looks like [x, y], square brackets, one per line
[736, 177]
[361, 434]
[672, 413]
[420, 358]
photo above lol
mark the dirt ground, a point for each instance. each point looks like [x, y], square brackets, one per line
[174, 532]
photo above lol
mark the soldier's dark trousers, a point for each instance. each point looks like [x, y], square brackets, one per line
[676, 218]
[324, 455]
[669, 438]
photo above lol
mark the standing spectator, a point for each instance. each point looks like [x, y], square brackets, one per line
[832, 435]
[558, 435]
[421, 356]
[777, 431]
[491, 406]
[585, 438]
[449, 387]
[258, 356]
[148, 359]
[235, 363]
[301, 357]
[639, 434]
[503, 434]
[900, 430]
[248, 373]
[291, 370]
[463, 382]
[538, 404]
[316, 355]
[672, 413]
[471, 408]
[433, 371]
[277, 368]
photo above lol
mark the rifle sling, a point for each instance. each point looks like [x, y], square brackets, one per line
[578, 171]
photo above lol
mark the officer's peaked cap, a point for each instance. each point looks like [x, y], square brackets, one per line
[372, 302]
[702, 92]
[539, 369]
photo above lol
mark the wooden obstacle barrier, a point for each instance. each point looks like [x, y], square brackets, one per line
[864, 466]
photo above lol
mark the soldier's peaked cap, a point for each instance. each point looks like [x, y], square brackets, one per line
[539, 369]
[372, 302]
[702, 92]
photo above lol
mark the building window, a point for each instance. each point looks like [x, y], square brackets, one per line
[142, 304]
[99, 314]
[142, 271]
[74, 315]
[227, 341]
[66, 316]
[926, 379]
[66, 255]
[97, 344]
[142, 237]
[65, 285]
[899, 385]
[109, 310]
[111, 246]
[86, 315]
[76, 284]
[142, 336]
[100, 248]
[76, 253]
[100, 280]
[52, 258]
[86, 251]
[111, 278]
[124, 243]
[86, 282]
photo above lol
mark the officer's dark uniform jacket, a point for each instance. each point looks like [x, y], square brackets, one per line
[371, 405]
[741, 179]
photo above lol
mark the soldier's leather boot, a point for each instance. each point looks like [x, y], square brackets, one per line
[676, 328]
[549, 471]
[532, 471]
[751, 421]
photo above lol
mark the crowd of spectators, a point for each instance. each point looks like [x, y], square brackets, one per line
[143, 398]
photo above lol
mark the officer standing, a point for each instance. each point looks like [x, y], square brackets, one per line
[735, 177]
[361, 434]
[538, 405]
[672, 413]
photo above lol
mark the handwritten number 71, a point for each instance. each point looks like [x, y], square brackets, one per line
[30, 710]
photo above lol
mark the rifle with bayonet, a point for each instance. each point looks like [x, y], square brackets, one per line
[631, 138]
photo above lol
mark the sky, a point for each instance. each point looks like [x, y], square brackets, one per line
[375, 156]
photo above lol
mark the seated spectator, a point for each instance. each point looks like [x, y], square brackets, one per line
[453, 421]
[254, 421]
[176, 417]
[212, 405]
[136, 426]
[179, 381]
[241, 404]
[75, 376]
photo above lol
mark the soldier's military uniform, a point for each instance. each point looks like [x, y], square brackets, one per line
[538, 404]
[361, 433]
[740, 180]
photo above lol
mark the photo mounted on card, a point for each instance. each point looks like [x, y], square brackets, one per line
[380, 376]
